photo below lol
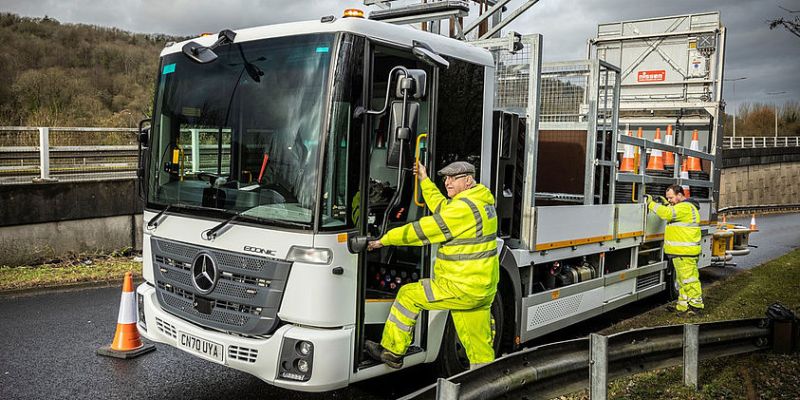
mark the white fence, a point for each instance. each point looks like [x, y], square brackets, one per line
[751, 142]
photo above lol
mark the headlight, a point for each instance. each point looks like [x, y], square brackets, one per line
[140, 311]
[296, 360]
[309, 255]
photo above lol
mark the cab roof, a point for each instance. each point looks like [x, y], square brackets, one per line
[380, 31]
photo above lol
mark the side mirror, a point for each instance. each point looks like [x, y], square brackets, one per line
[414, 83]
[143, 133]
[427, 55]
[356, 243]
[400, 134]
[202, 54]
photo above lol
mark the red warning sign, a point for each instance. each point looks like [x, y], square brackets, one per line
[651, 76]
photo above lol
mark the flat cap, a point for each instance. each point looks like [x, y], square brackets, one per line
[457, 168]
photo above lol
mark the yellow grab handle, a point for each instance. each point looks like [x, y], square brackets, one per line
[417, 152]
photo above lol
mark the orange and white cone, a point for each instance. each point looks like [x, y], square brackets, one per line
[628, 162]
[637, 152]
[694, 162]
[127, 343]
[656, 160]
[753, 226]
[669, 157]
[685, 175]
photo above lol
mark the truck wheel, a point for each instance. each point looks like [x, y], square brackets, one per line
[452, 356]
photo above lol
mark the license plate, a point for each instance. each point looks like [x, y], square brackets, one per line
[201, 347]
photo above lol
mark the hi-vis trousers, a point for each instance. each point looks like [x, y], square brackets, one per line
[688, 278]
[471, 316]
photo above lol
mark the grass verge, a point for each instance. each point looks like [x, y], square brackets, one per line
[66, 273]
[754, 376]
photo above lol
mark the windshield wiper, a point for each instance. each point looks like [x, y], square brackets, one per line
[154, 222]
[214, 232]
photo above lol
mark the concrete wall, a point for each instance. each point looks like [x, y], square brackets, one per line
[39, 222]
[760, 184]
[27, 244]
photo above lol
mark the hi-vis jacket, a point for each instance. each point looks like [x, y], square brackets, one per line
[682, 235]
[466, 227]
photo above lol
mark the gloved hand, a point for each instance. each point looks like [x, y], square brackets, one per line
[648, 199]
[663, 200]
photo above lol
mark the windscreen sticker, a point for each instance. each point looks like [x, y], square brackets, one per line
[168, 69]
[323, 49]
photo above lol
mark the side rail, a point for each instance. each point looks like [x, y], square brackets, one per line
[679, 152]
[559, 368]
[753, 142]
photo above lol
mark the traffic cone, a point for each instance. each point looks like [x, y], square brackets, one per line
[694, 162]
[669, 157]
[656, 160]
[724, 221]
[127, 343]
[753, 226]
[685, 175]
[628, 164]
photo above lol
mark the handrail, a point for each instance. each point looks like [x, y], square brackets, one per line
[753, 142]
[417, 151]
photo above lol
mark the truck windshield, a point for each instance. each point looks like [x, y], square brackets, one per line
[242, 134]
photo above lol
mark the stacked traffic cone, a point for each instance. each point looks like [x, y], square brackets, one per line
[628, 163]
[127, 343]
[656, 160]
[636, 150]
[753, 226]
[694, 162]
[669, 157]
[685, 175]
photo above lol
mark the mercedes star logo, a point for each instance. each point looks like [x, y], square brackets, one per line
[204, 273]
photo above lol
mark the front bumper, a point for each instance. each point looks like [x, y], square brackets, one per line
[259, 356]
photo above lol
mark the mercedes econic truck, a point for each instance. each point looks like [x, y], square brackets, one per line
[274, 152]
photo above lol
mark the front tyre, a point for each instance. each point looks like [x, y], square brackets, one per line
[452, 355]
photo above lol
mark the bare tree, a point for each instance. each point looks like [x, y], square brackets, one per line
[792, 26]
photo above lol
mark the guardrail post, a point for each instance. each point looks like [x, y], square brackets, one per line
[44, 155]
[691, 351]
[446, 390]
[598, 363]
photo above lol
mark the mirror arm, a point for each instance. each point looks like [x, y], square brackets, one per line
[388, 87]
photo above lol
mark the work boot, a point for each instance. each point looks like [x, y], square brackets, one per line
[378, 353]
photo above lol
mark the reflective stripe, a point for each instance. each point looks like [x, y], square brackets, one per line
[688, 224]
[698, 300]
[482, 239]
[656, 206]
[477, 215]
[689, 280]
[426, 286]
[683, 303]
[681, 244]
[400, 324]
[684, 297]
[403, 310]
[442, 226]
[438, 208]
[468, 256]
[674, 214]
[694, 214]
[420, 233]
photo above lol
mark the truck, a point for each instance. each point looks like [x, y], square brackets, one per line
[275, 152]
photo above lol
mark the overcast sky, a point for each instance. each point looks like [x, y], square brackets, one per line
[770, 59]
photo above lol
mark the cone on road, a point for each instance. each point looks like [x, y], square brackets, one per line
[753, 226]
[628, 158]
[127, 343]
[685, 175]
[656, 160]
[669, 157]
[694, 162]
[724, 221]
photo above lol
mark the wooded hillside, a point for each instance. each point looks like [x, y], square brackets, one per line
[54, 74]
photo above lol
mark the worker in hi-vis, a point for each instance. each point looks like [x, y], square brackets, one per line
[465, 273]
[682, 245]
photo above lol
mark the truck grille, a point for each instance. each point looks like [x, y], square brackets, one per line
[246, 295]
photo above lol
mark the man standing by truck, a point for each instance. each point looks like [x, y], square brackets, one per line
[682, 245]
[466, 270]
